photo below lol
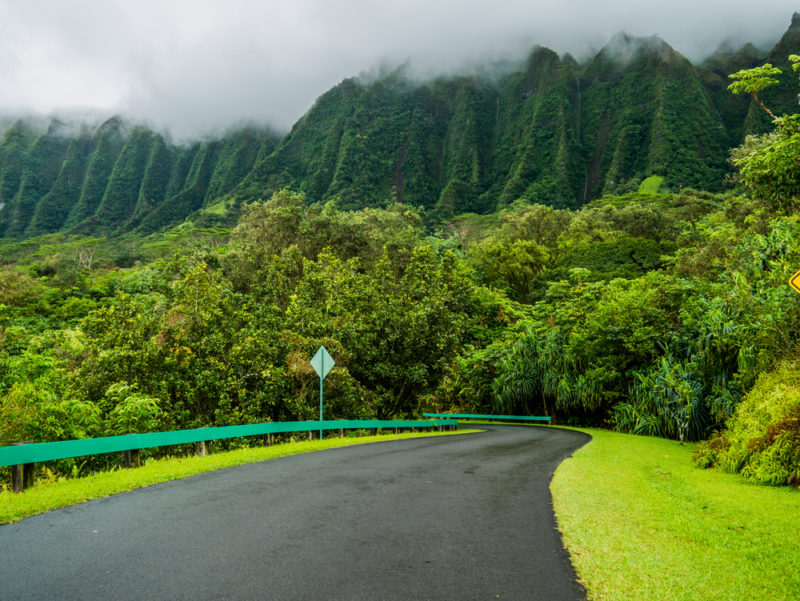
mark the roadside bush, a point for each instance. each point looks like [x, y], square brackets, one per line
[762, 439]
[667, 400]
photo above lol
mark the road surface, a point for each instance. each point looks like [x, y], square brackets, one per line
[456, 517]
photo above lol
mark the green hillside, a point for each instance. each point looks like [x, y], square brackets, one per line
[552, 132]
[115, 177]
[538, 154]
[646, 112]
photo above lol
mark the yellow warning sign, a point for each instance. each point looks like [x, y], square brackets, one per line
[795, 281]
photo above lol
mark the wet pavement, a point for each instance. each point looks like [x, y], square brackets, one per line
[455, 517]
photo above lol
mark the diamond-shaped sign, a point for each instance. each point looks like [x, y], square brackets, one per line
[322, 362]
[795, 281]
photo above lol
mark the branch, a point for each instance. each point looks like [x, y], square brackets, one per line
[763, 106]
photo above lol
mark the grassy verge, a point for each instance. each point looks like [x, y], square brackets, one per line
[642, 523]
[49, 496]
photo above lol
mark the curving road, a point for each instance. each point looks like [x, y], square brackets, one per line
[457, 517]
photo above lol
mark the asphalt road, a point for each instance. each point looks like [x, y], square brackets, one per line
[458, 517]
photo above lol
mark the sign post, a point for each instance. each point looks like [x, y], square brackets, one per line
[322, 363]
[795, 281]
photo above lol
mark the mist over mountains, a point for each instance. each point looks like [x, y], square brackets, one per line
[550, 131]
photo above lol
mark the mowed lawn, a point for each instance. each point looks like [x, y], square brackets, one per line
[641, 522]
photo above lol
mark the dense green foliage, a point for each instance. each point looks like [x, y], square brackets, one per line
[223, 336]
[654, 311]
[762, 439]
[667, 346]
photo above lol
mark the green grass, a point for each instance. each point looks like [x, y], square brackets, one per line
[53, 495]
[219, 208]
[651, 185]
[642, 523]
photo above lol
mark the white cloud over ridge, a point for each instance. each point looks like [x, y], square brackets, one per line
[196, 66]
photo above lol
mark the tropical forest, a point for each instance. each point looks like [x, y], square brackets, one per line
[609, 243]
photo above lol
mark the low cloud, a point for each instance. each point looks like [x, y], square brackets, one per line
[195, 67]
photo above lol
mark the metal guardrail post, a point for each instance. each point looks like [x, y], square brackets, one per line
[202, 447]
[22, 475]
[131, 458]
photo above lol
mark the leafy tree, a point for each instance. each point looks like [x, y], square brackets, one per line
[767, 164]
[35, 403]
[400, 325]
[509, 266]
[752, 81]
[667, 400]
[132, 411]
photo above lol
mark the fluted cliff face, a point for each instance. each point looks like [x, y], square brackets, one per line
[551, 132]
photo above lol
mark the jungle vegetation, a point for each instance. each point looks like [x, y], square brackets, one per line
[659, 309]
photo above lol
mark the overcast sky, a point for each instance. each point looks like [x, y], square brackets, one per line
[197, 66]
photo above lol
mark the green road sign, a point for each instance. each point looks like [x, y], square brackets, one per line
[795, 281]
[322, 363]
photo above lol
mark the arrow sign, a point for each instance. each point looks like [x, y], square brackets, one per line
[322, 363]
[795, 281]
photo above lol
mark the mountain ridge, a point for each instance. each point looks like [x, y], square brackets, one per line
[552, 132]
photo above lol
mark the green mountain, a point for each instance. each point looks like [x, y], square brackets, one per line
[106, 146]
[538, 154]
[115, 177]
[366, 144]
[646, 112]
[714, 73]
[552, 131]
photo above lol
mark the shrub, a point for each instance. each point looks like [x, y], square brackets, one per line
[762, 439]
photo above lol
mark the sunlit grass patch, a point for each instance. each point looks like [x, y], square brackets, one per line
[641, 522]
[49, 496]
[220, 208]
[651, 185]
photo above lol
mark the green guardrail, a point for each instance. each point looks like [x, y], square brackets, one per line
[25, 455]
[523, 418]
[48, 451]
